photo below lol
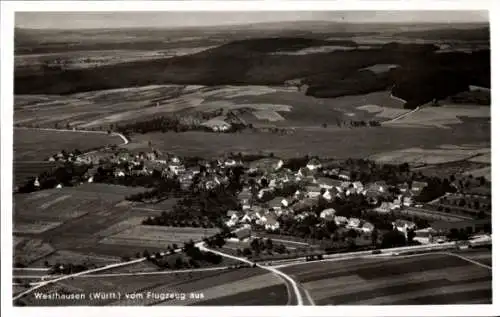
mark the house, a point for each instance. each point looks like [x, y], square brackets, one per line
[91, 179]
[217, 124]
[367, 227]
[119, 173]
[245, 196]
[176, 168]
[340, 220]
[36, 183]
[277, 203]
[305, 204]
[403, 188]
[59, 186]
[345, 175]
[408, 201]
[266, 164]
[298, 195]
[264, 191]
[417, 187]
[384, 208]
[230, 163]
[243, 233]
[403, 225]
[327, 214]
[313, 164]
[303, 215]
[52, 159]
[269, 221]
[313, 191]
[358, 186]
[327, 183]
[332, 172]
[327, 195]
[304, 173]
[353, 223]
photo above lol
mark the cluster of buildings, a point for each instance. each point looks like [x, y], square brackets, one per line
[263, 202]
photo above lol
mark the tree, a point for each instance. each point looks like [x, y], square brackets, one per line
[269, 244]
[374, 236]
[410, 235]
[393, 239]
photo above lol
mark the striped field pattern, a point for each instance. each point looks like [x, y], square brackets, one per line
[415, 280]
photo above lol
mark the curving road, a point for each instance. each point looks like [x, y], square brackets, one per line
[124, 139]
[288, 280]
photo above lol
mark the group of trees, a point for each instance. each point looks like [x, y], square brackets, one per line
[66, 175]
[435, 188]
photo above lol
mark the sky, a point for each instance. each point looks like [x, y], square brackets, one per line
[85, 20]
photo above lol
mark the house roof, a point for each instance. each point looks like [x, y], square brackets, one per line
[403, 222]
[313, 188]
[368, 225]
[328, 181]
[216, 122]
[266, 163]
[329, 211]
[341, 219]
[275, 202]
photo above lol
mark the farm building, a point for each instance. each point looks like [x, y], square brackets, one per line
[217, 125]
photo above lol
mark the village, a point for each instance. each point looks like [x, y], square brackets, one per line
[305, 198]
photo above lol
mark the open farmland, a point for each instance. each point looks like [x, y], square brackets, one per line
[68, 219]
[480, 172]
[338, 143]
[99, 109]
[412, 280]
[30, 250]
[218, 288]
[38, 145]
[442, 116]
[151, 236]
[417, 156]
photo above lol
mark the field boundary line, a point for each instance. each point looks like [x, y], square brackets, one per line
[468, 260]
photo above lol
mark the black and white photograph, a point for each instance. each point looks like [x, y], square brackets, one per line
[251, 158]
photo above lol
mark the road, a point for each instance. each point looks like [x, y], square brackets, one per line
[124, 139]
[99, 269]
[288, 280]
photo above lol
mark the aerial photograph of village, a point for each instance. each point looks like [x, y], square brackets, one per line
[251, 158]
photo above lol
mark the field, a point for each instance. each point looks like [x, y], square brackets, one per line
[68, 219]
[442, 116]
[481, 172]
[265, 103]
[419, 156]
[230, 287]
[338, 143]
[414, 280]
[38, 145]
[154, 236]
